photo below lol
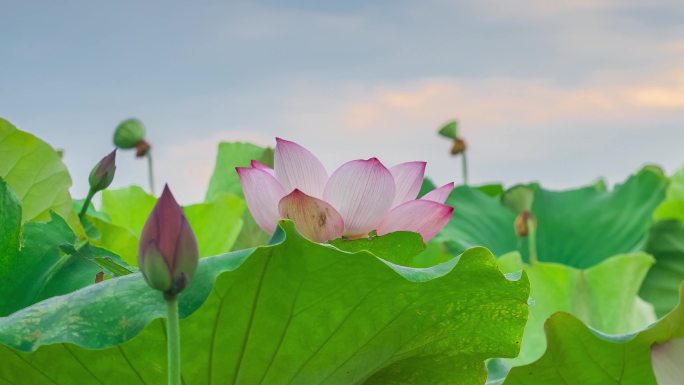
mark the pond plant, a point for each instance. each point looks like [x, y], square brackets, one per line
[286, 274]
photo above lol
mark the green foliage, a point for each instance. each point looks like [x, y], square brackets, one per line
[294, 312]
[577, 354]
[35, 172]
[216, 224]
[569, 227]
[603, 296]
[673, 205]
[231, 155]
[666, 244]
[48, 261]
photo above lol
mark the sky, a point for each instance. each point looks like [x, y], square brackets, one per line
[552, 91]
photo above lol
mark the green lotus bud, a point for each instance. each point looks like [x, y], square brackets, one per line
[167, 254]
[450, 129]
[103, 173]
[128, 133]
[518, 198]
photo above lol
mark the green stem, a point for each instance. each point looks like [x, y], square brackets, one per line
[173, 340]
[532, 241]
[464, 164]
[86, 203]
[150, 172]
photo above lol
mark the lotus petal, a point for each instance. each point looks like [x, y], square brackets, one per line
[261, 166]
[297, 168]
[439, 194]
[668, 361]
[421, 216]
[408, 177]
[313, 218]
[362, 191]
[262, 192]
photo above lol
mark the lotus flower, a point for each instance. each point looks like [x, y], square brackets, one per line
[359, 197]
[167, 255]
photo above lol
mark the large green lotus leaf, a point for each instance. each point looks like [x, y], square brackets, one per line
[231, 155]
[666, 244]
[604, 296]
[577, 354]
[579, 227]
[216, 224]
[48, 261]
[35, 173]
[583, 227]
[295, 312]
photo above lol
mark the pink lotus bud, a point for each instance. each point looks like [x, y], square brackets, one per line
[103, 173]
[168, 254]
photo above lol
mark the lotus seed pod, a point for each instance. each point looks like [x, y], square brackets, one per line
[128, 133]
[525, 223]
[458, 147]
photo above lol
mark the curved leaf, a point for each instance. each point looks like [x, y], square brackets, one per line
[35, 173]
[579, 227]
[603, 296]
[666, 244]
[295, 312]
[577, 354]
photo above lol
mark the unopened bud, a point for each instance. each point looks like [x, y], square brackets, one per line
[167, 254]
[458, 147]
[525, 223]
[128, 133]
[103, 173]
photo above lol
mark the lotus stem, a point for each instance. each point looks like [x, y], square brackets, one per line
[150, 172]
[532, 241]
[86, 204]
[173, 340]
[464, 164]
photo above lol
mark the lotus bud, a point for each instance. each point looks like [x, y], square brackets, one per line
[131, 134]
[525, 223]
[167, 254]
[103, 173]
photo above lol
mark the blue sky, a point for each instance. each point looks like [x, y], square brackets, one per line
[560, 92]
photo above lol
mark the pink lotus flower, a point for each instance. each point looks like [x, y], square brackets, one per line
[359, 197]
